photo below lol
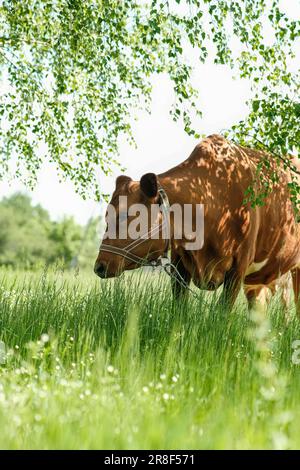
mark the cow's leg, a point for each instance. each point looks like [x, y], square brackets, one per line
[251, 296]
[256, 297]
[180, 279]
[284, 297]
[296, 287]
[231, 287]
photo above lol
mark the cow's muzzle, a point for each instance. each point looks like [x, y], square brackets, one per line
[101, 270]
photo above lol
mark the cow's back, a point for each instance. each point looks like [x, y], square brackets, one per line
[261, 241]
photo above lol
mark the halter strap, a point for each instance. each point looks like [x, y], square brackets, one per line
[166, 216]
[123, 252]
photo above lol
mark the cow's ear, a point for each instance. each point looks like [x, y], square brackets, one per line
[149, 185]
[122, 179]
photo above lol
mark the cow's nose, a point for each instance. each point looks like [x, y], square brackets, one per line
[100, 269]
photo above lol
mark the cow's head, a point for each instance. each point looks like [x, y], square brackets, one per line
[125, 225]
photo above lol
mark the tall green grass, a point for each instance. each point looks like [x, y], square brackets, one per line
[117, 364]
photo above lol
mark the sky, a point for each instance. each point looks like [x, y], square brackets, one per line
[161, 143]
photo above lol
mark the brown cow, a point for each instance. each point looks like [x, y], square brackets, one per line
[241, 244]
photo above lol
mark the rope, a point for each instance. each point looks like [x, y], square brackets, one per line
[179, 277]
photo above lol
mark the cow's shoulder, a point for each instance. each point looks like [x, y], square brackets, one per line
[216, 138]
[213, 147]
[213, 139]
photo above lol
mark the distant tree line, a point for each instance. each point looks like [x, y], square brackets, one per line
[29, 238]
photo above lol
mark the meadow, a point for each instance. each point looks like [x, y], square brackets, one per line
[97, 364]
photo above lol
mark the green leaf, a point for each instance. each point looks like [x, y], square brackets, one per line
[255, 105]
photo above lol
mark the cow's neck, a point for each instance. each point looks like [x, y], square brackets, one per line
[177, 186]
[174, 192]
[174, 189]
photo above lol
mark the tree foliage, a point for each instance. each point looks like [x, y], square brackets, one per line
[75, 70]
